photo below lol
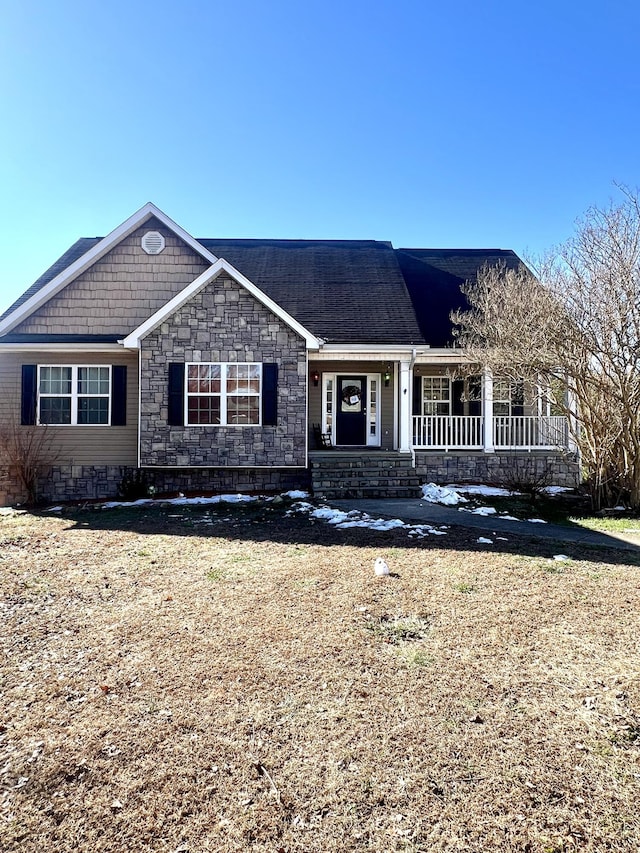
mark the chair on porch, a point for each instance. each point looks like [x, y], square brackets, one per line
[322, 439]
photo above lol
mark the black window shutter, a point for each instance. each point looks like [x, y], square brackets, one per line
[517, 401]
[269, 394]
[118, 395]
[28, 402]
[475, 395]
[457, 392]
[176, 394]
[417, 395]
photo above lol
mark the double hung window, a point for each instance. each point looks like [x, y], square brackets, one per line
[223, 394]
[74, 395]
[508, 398]
[436, 395]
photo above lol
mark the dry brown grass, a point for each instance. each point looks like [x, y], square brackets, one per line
[173, 682]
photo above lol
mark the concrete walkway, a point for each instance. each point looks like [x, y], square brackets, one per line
[423, 512]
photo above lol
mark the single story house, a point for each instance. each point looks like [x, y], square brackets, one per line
[219, 364]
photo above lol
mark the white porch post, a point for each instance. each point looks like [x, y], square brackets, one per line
[487, 410]
[404, 407]
[572, 406]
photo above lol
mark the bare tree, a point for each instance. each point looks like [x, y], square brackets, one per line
[574, 327]
[26, 452]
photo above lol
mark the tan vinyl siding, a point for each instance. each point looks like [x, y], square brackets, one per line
[354, 368]
[77, 445]
[121, 290]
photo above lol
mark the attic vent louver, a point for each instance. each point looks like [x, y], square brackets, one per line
[152, 242]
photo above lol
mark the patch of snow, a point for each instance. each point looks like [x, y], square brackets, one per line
[502, 538]
[620, 508]
[215, 499]
[560, 558]
[509, 518]
[556, 490]
[442, 495]
[484, 541]
[54, 509]
[536, 521]
[126, 504]
[295, 494]
[181, 501]
[481, 510]
[485, 491]
[348, 520]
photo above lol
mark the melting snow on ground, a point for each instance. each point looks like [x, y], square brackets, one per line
[445, 495]
[182, 501]
[451, 496]
[485, 491]
[294, 494]
[345, 520]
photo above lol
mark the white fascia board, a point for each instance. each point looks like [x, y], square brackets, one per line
[132, 341]
[357, 352]
[71, 348]
[444, 354]
[94, 254]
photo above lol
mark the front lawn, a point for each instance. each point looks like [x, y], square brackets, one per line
[233, 679]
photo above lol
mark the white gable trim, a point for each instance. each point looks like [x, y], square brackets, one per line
[132, 341]
[94, 254]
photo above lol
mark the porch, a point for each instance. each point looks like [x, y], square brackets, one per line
[500, 432]
[408, 405]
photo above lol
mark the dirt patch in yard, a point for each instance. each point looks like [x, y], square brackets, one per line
[228, 680]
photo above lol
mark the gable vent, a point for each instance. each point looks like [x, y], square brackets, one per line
[152, 242]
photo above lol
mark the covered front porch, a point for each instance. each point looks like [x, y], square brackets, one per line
[408, 401]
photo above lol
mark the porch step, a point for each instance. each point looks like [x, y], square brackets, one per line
[341, 474]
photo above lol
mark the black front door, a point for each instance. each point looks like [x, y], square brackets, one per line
[351, 414]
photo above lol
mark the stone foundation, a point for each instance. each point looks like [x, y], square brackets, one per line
[85, 482]
[498, 468]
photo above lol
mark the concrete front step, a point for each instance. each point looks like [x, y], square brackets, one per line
[361, 475]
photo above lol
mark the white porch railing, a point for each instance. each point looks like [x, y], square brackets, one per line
[530, 432]
[448, 432]
[466, 432]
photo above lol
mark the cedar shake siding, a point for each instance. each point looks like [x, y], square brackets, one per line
[121, 290]
[223, 323]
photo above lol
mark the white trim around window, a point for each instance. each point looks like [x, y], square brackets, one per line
[223, 394]
[74, 395]
[436, 395]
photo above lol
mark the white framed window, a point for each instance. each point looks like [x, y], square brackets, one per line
[436, 395]
[74, 395]
[223, 394]
[508, 398]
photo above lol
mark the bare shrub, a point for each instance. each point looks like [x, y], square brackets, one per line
[26, 452]
[528, 474]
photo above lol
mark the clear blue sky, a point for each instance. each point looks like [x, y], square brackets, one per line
[467, 124]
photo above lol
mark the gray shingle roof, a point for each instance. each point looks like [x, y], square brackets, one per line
[434, 278]
[345, 291]
[72, 254]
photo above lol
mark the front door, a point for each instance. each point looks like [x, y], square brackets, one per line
[351, 414]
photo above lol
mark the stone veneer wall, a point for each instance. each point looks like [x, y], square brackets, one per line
[496, 468]
[223, 323]
[86, 482]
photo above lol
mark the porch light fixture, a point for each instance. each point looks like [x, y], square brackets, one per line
[387, 376]
[315, 376]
